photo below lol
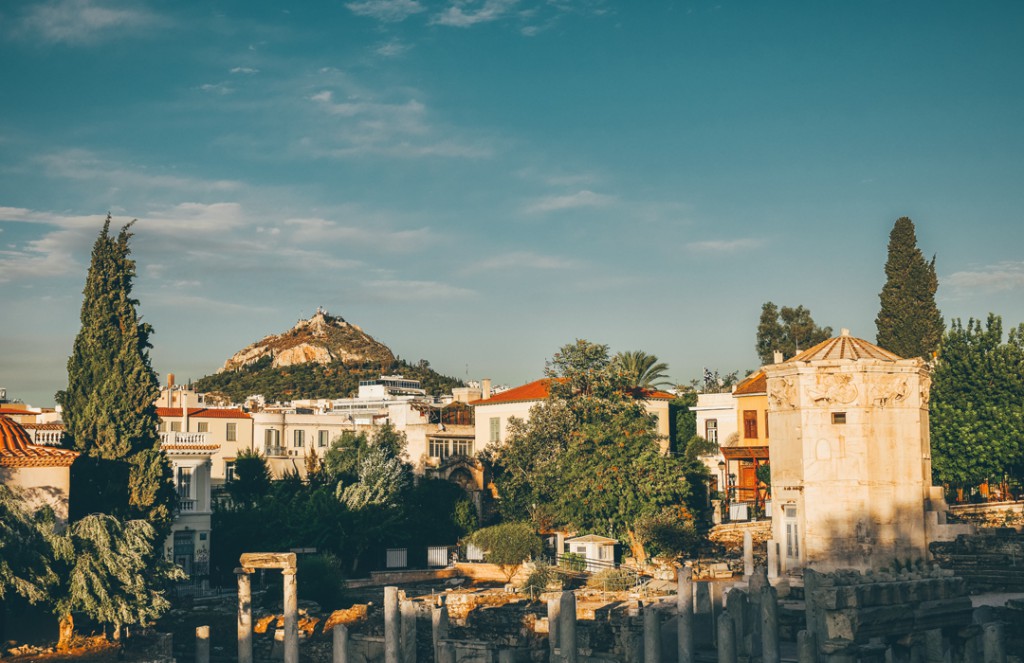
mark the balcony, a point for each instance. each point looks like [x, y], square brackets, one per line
[177, 438]
[274, 450]
[186, 505]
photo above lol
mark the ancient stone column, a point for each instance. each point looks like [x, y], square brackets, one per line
[684, 608]
[340, 642]
[652, 635]
[933, 646]
[806, 649]
[737, 604]
[748, 555]
[392, 626]
[408, 613]
[446, 653]
[202, 644]
[726, 639]
[769, 625]
[439, 627]
[244, 615]
[567, 627]
[554, 606]
[291, 616]
[992, 643]
[773, 559]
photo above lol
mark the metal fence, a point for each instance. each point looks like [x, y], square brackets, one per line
[397, 558]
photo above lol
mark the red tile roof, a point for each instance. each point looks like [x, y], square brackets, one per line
[538, 390]
[17, 450]
[202, 413]
[754, 384]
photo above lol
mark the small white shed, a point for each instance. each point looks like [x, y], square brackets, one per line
[599, 551]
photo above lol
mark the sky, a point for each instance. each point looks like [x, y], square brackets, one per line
[479, 182]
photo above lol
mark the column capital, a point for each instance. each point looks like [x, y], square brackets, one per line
[288, 572]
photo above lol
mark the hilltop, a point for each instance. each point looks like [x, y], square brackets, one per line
[322, 357]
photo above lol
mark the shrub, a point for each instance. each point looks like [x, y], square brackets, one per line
[611, 580]
[321, 579]
[538, 580]
[508, 545]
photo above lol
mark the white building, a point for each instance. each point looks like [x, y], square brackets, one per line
[190, 454]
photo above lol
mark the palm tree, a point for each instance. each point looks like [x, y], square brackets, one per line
[641, 370]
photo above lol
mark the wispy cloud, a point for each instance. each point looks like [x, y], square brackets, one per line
[79, 22]
[244, 70]
[725, 245]
[987, 279]
[389, 11]
[317, 231]
[368, 125]
[467, 13]
[217, 88]
[521, 260]
[391, 49]
[84, 165]
[49, 256]
[402, 290]
[584, 198]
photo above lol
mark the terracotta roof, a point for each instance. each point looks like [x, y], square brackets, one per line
[203, 413]
[170, 447]
[17, 450]
[538, 390]
[15, 410]
[844, 347]
[43, 426]
[753, 384]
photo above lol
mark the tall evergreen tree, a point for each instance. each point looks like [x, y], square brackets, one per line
[909, 322]
[109, 404]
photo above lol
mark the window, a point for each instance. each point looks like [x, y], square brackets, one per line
[750, 424]
[766, 424]
[229, 470]
[462, 447]
[185, 483]
[839, 417]
[495, 429]
[231, 433]
[163, 426]
[438, 447]
[272, 441]
[711, 430]
[175, 426]
[203, 427]
[323, 438]
[299, 438]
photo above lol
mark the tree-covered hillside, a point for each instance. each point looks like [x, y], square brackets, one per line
[311, 380]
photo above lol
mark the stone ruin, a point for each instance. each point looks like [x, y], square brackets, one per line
[847, 616]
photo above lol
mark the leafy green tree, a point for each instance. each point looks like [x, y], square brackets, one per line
[252, 479]
[642, 371]
[508, 545]
[787, 330]
[976, 409]
[909, 322]
[26, 565]
[109, 574]
[670, 532]
[589, 456]
[109, 405]
[382, 478]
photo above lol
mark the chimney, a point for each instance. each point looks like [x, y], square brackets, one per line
[485, 389]
[184, 412]
[778, 357]
[170, 379]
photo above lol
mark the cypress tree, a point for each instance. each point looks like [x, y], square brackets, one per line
[109, 405]
[909, 322]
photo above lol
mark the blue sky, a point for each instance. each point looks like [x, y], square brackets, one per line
[478, 182]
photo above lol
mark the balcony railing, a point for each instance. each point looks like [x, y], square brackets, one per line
[176, 438]
[52, 438]
[186, 505]
[275, 450]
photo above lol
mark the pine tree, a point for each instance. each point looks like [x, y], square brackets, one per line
[109, 404]
[909, 322]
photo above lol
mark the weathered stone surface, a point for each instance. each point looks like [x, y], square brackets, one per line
[267, 560]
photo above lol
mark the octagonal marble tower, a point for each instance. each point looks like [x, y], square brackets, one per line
[850, 456]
